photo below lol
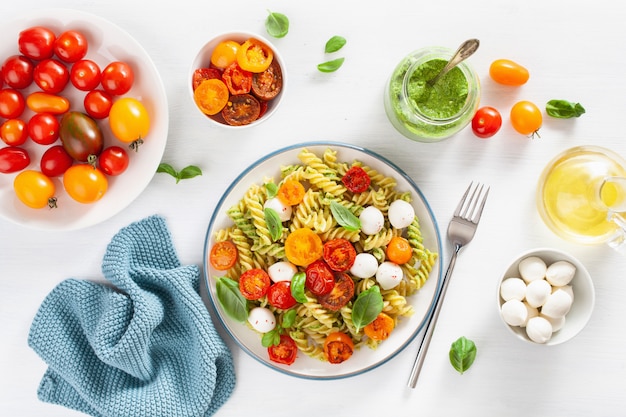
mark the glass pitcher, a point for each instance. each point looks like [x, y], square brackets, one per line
[581, 196]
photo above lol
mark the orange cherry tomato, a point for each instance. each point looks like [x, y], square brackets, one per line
[14, 132]
[211, 96]
[340, 295]
[224, 54]
[526, 118]
[254, 56]
[339, 254]
[290, 192]
[129, 120]
[507, 72]
[34, 189]
[223, 255]
[85, 183]
[380, 328]
[285, 352]
[303, 246]
[47, 103]
[399, 250]
[338, 347]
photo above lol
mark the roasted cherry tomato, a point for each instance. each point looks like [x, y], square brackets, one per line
[85, 183]
[43, 128]
[71, 46]
[356, 179]
[342, 292]
[13, 159]
[486, 122]
[223, 255]
[254, 55]
[279, 295]
[85, 75]
[290, 192]
[241, 109]
[338, 347]
[12, 103]
[237, 80]
[224, 54]
[399, 250]
[55, 161]
[380, 328]
[202, 74]
[14, 132]
[36, 42]
[507, 72]
[285, 352]
[47, 103]
[34, 189]
[17, 71]
[81, 136]
[211, 96]
[267, 84]
[117, 78]
[303, 246]
[129, 120]
[254, 283]
[51, 75]
[526, 118]
[98, 103]
[113, 160]
[320, 279]
[339, 254]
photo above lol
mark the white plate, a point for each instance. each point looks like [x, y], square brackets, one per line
[364, 359]
[107, 43]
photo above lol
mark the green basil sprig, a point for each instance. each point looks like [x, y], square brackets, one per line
[231, 299]
[297, 287]
[276, 24]
[345, 217]
[185, 173]
[564, 109]
[462, 354]
[272, 337]
[334, 44]
[271, 189]
[274, 225]
[366, 307]
[331, 66]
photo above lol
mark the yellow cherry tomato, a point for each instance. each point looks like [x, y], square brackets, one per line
[85, 183]
[526, 118]
[507, 72]
[129, 120]
[254, 56]
[224, 54]
[34, 189]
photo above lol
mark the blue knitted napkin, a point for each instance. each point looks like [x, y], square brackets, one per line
[145, 346]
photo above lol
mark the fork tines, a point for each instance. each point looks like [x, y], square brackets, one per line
[471, 208]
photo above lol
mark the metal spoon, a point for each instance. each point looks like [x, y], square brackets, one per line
[466, 49]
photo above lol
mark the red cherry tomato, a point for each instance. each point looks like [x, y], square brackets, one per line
[486, 122]
[117, 78]
[319, 278]
[12, 103]
[36, 42]
[71, 46]
[202, 74]
[356, 180]
[254, 283]
[13, 159]
[98, 104]
[279, 295]
[55, 161]
[342, 292]
[113, 160]
[285, 352]
[51, 75]
[43, 128]
[17, 71]
[85, 75]
[339, 254]
[13, 132]
[237, 80]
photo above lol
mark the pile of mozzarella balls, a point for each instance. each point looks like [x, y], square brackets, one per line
[539, 299]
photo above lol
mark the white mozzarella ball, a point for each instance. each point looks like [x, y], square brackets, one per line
[532, 268]
[262, 319]
[284, 211]
[537, 292]
[513, 288]
[372, 220]
[560, 273]
[514, 312]
[282, 271]
[532, 312]
[557, 323]
[365, 265]
[567, 288]
[557, 305]
[388, 275]
[539, 330]
[401, 213]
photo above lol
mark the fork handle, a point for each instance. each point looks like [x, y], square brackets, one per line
[430, 326]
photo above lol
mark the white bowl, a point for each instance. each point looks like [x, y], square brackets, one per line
[203, 60]
[584, 295]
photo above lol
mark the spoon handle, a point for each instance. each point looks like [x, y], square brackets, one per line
[466, 49]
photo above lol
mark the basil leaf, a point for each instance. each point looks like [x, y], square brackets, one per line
[190, 172]
[289, 318]
[334, 44]
[274, 224]
[229, 296]
[345, 217]
[269, 338]
[297, 287]
[271, 189]
[564, 109]
[277, 24]
[462, 354]
[366, 307]
[167, 169]
[331, 66]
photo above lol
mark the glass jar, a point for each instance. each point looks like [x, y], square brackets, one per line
[431, 114]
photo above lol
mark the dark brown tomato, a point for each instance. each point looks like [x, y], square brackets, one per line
[267, 84]
[241, 109]
[80, 135]
[342, 292]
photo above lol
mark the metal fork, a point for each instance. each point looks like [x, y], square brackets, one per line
[461, 230]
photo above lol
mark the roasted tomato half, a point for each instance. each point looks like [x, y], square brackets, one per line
[267, 84]
[285, 352]
[241, 110]
[342, 292]
[339, 254]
